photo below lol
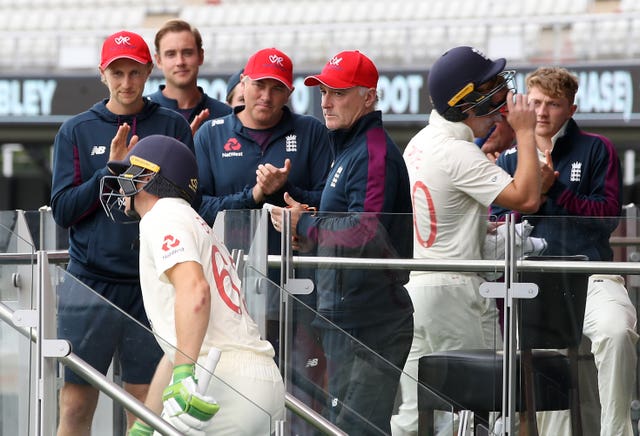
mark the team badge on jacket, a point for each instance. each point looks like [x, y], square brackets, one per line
[576, 172]
[291, 146]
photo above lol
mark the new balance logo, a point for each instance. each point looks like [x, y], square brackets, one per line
[312, 363]
[98, 149]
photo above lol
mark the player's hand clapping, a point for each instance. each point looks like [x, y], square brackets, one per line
[119, 148]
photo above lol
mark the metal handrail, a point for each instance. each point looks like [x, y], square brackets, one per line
[311, 416]
[467, 265]
[25, 258]
[98, 380]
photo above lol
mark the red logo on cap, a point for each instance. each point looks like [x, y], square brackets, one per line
[126, 45]
[275, 59]
[120, 40]
[270, 63]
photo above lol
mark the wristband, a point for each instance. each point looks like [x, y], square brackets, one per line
[180, 372]
[139, 428]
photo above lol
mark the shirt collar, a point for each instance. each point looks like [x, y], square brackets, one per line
[560, 133]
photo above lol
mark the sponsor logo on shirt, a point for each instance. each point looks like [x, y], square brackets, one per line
[170, 242]
[217, 122]
[98, 149]
[170, 245]
[232, 148]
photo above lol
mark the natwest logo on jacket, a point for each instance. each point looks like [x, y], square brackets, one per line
[232, 148]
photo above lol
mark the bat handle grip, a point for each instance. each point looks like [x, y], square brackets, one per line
[209, 366]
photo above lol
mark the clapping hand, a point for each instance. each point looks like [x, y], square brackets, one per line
[119, 147]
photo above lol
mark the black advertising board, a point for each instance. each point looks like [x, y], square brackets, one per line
[607, 96]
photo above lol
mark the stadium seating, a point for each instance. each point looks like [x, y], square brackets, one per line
[395, 32]
[629, 6]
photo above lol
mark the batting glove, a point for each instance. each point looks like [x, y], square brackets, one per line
[139, 428]
[184, 408]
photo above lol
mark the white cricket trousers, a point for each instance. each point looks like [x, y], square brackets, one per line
[610, 323]
[449, 314]
[250, 391]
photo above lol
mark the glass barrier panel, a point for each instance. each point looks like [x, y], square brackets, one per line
[17, 273]
[375, 305]
[93, 323]
[250, 233]
[309, 372]
[46, 234]
[17, 376]
[591, 313]
[15, 236]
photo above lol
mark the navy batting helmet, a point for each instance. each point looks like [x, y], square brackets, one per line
[171, 164]
[454, 80]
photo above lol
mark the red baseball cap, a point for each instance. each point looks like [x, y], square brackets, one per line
[127, 45]
[270, 63]
[345, 70]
